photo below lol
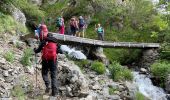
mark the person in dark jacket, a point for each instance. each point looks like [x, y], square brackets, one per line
[49, 51]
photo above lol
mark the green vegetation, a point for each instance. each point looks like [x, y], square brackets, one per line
[31, 11]
[112, 90]
[161, 70]
[9, 56]
[8, 24]
[25, 60]
[82, 63]
[140, 96]
[98, 67]
[119, 72]
[18, 92]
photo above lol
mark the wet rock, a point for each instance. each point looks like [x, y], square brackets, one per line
[143, 71]
[132, 89]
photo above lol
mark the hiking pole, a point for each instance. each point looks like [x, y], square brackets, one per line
[35, 70]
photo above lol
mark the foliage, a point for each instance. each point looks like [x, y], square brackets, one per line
[30, 10]
[9, 56]
[82, 63]
[18, 92]
[112, 90]
[140, 96]
[161, 70]
[25, 60]
[98, 67]
[8, 24]
[124, 56]
[119, 72]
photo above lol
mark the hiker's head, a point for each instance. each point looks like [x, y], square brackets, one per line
[80, 17]
[98, 24]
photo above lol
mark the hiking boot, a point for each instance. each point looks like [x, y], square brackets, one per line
[47, 90]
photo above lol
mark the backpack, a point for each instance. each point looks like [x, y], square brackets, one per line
[100, 30]
[44, 32]
[59, 22]
[49, 51]
[81, 22]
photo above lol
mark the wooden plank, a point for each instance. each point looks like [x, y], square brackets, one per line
[73, 40]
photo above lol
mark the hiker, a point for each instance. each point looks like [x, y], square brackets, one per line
[100, 32]
[81, 27]
[73, 26]
[49, 56]
[60, 25]
[37, 31]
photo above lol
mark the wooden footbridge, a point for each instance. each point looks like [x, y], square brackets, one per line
[73, 40]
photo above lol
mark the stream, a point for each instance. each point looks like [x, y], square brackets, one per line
[147, 88]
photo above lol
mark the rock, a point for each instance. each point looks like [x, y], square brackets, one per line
[52, 1]
[143, 71]
[29, 70]
[6, 99]
[5, 73]
[114, 97]
[18, 15]
[46, 97]
[132, 89]
[36, 2]
[2, 61]
[167, 84]
[96, 87]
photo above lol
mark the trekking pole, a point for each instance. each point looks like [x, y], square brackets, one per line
[35, 70]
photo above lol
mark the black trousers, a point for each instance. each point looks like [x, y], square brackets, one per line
[52, 66]
[101, 36]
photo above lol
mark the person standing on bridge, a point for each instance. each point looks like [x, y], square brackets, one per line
[82, 26]
[49, 60]
[60, 25]
[100, 32]
[74, 26]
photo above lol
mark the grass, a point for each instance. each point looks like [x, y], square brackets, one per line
[140, 96]
[119, 72]
[8, 24]
[25, 60]
[112, 90]
[98, 67]
[82, 63]
[9, 56]
[18, 92]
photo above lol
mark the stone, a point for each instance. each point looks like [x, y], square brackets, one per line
[46, 97]
[167, 84]
[96, 87]
[143, 70]
[6, 99]
[114, 97]
[5, 73]
[18, 15]
[2, 61]
[132, 89]
[36, 2]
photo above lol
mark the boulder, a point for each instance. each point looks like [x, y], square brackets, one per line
[18, 15]
[36, 2]
[72, 80]
[167, 84]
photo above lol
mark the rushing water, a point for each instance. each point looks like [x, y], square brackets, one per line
[147, 88]
[72, 52]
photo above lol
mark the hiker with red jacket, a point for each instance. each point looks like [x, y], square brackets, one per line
[49, 51]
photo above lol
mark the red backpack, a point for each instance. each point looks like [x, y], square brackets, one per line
[49, 51]
[44, 32]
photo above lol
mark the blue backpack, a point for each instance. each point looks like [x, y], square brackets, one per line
[100, 30]
[81, 22]
[59, 22]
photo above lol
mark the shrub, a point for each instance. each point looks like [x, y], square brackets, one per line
[18, 92]
[140, 96]
[160, 70]
[112, 90]
[119, 72]
[81, 63]
[25, 60]
[9, 56]
[98, 67]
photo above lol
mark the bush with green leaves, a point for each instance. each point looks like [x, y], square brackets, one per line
[160, 70]
[18, 92]
[25, 60]
[98, 67]
[82, 63]
[9, 56]
[118, 72]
